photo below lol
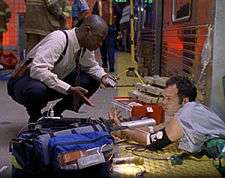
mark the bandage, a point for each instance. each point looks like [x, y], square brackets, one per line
[151, 129]
[148, 142]
[157, 140]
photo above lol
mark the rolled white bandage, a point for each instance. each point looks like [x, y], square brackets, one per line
[151, 129]
[148, 141]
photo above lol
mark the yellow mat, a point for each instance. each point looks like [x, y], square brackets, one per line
[123, 62]
[191, 167]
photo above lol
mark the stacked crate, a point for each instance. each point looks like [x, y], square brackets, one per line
[151, 92]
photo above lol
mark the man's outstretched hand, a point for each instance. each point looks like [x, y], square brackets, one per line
[115, 116]
[80, 92]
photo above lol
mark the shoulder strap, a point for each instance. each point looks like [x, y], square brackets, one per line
[64, 51]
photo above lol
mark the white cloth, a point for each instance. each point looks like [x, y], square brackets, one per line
[47, 52]
[199, 125]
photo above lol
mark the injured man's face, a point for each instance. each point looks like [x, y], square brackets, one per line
[171, 99]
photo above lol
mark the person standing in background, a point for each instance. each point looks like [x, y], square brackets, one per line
[105, 9]
[5, 15]
[80, 9]
[108, 49]
[43, 17]
[125, 28]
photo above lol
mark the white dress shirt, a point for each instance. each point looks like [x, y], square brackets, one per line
[47, 52]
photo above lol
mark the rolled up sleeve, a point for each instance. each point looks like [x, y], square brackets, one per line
[91, 66]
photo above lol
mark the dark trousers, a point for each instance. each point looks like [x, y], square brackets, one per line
[108, 56]
[108, 49]
[35, 95]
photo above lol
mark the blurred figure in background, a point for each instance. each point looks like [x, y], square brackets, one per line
[5, 15]
[125, 28]
[108, 49]
[43, 17]
[105, 9]
[80, 9]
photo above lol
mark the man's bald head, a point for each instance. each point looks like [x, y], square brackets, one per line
[97, 23]
[92, 32]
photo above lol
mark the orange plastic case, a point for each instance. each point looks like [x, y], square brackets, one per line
[153, 110]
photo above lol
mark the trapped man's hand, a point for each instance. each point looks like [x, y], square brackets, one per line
[80, 92]
[115, 117]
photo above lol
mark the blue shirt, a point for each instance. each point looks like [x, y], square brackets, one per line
[78, 7]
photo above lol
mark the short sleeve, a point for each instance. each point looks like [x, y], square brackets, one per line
[194, 135]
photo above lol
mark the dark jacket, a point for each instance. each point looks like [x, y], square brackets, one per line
[44, 16]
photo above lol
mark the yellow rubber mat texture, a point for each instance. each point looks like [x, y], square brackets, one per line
[191, 167]
[123, 62]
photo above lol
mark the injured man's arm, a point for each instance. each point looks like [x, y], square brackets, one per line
[154, 140]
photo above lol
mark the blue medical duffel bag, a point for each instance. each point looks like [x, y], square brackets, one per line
[64, 147]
